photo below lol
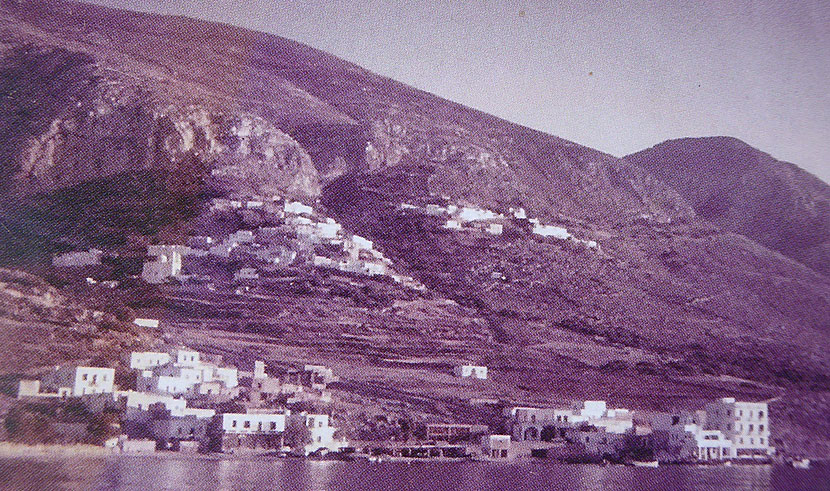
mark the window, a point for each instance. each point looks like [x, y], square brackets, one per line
[760, 414]
[751, 427]
[319, 439]
[233, 424]
[247, 424]
[760, 428]
[84, 377]
[273, 425]
[752, 441]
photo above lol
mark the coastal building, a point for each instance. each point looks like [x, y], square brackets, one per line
[496, 447]
[255, 429]
[745, 424]
[471, 371]
[321, 433]
[170, 431]
[546, 424]
[680, 436]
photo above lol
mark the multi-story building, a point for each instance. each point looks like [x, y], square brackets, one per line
[745, 424]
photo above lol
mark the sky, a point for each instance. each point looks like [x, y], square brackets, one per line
[616, 76]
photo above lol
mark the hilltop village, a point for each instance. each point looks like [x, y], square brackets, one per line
[176, 398]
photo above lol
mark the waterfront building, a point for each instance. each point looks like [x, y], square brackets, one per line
[745, 424]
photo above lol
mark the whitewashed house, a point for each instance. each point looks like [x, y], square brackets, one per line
[252, 422]
[470, 371]
[745, 424]
[322, 435]
[145, 360]
[86, 380]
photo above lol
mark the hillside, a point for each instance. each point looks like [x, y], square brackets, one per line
[746, 191]
[118, 128]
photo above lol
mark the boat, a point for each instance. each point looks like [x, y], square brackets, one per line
[641, 463]
[800, 463]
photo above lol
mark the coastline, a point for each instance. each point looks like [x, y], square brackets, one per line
[19, 450]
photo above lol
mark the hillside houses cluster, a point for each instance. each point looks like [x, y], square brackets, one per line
[591, 431]
[184, 401]
[488, 222]
[281, 233]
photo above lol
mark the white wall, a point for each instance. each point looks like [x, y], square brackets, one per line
[93, 380]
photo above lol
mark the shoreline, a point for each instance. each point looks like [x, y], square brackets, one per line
[61, 451]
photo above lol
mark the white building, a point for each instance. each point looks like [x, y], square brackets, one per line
[496, 447]
[322, 435]
[680, 436]
[452, 225]
[362, 243]
[93, 380]
[471, 371]
[187, 357]
[297, 208]
[146, 322]
[745, 424]
[528, 423]
[252, 422]
[145, 360]
[183, 373]
[551, 231]
[495, 229]
[471, 214]
[78, 259]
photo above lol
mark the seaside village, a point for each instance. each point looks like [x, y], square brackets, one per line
[184, 402]
[187, 401]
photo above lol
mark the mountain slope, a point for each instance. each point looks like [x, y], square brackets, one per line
[130, 122]
[746, 191]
